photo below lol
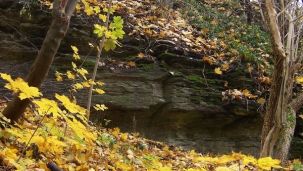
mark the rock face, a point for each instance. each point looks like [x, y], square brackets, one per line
[163, 103]
[176, 99]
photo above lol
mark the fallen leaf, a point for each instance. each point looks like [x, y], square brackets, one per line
[218, 71]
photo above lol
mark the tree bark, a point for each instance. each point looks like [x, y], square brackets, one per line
[280, 116]
[62, 11]
[246, 4]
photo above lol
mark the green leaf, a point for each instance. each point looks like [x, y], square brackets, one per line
[99, 30]
[109, 44]
[117, 23]
[119, 33]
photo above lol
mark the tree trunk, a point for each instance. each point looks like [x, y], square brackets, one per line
[246, 4]
[61, 17]
[279, 120]
[280, 116]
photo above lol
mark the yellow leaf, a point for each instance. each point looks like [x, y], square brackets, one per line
[225, 67]
[70, 75]
[123, 166]
[74, 65]
[223, 168]
[102, 17]
[69, 105]
[59, 76]
[96, 9]
[261, 101]
[99, 91]
[124, 136]
[78, 86]
[267, 163]
[165, 168]
[6, 77]
[100, 83]
[83, 72]
[140, 55]
[218, 71]
[209, 60]
[131, 64]
[100, 107]
[248, 94]
[75, 49]
[47, 106]
[299, 80]
[20, 86]
[76, 56]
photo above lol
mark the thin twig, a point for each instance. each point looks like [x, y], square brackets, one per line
[38, 126]
[100, 48]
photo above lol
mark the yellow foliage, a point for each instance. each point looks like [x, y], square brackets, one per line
[223, 168]
[46, 106]
[21, 87]
[99, 91]
[267, 163]
[299, 80]
[59, 76]
[70, 75]
[80, 130]
[83, 72]
[100, 107]
[218, 71]
[69, 105]
[248, 94]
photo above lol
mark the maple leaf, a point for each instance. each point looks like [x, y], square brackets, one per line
[99, 91]
[75, 49]
[248, 94]
[58, 76]
[70, 75]
[21, 87]
[6, 77]
[74, 65]
[76, 56]
[69, 105]
[109, 44]
[100, 107]
[140, 55]
[102, 17]
[117, 23]
[218, 71]
[78, 86]
[45, 106]
[99, 30]
[118, 34]
[299, 80]
[83, 72]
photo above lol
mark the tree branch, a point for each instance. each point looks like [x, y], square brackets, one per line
[70, 7]
[274, 28]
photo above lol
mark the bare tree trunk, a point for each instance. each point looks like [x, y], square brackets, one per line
[246, 4]
[62, 11]
[280, 116]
